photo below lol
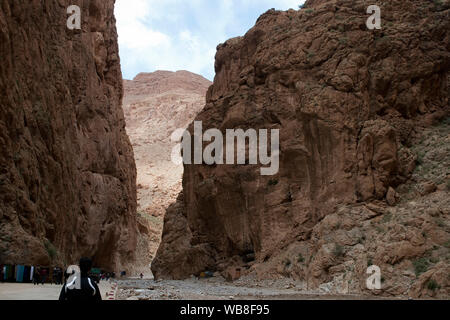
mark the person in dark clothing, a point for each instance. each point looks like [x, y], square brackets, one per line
[37, 276]
[88, 290]
[44, 275]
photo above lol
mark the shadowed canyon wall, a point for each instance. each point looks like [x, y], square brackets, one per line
[67, 172]
[348, 102]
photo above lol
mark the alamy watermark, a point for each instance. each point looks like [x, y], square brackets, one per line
[74, 20]
[374, 21]
[374, 280]
[74, 280]
[231, 149]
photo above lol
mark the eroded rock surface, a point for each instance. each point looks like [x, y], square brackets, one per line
[67, 172]
[350, 104]
[155, 105]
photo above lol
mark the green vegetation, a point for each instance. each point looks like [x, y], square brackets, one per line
[343, 41]
[273, 182]
[300, 258]
[420, 157]
[151, 219]
[434, 260]
[387, 218]
[338, 250]
[446, 122]
[311, 54]
[433, 285]
[440, 222]
[51, 250]
[421, 265]
[287, 262]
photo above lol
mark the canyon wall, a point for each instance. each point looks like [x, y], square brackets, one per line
[155, 105]
[350, 103]
[67, 171]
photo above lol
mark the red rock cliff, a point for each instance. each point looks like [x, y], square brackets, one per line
[348, 102]
[67, 172]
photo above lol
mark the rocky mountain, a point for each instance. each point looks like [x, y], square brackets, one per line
[364, 136]
[155, 105]
[67, 172]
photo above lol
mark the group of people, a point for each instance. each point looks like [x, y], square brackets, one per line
[80, 286]
[41, 275]
[30, 274]
[107, 275]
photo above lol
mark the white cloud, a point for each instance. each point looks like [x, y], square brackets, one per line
[134, 33]
[182, 35]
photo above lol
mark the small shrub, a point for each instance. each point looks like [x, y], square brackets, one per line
[51, 250]
[434, 260]
[369, 262]
[433, 285]
[420, 266]
[343, 41]
[273, 182]
[387, 217]
[338, 250]
[420, 157]
[300, 258]
[440, 222]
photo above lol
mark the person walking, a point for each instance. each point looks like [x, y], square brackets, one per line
[87, 288]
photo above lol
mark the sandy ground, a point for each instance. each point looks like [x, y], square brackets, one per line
[218, 289]
[25, 291]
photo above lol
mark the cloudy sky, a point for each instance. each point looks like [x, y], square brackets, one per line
[183, 34]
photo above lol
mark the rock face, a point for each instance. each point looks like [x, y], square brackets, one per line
[155, 105]
[67, 172]
[350, 103]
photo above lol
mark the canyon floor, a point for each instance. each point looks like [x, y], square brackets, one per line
[217, 288]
